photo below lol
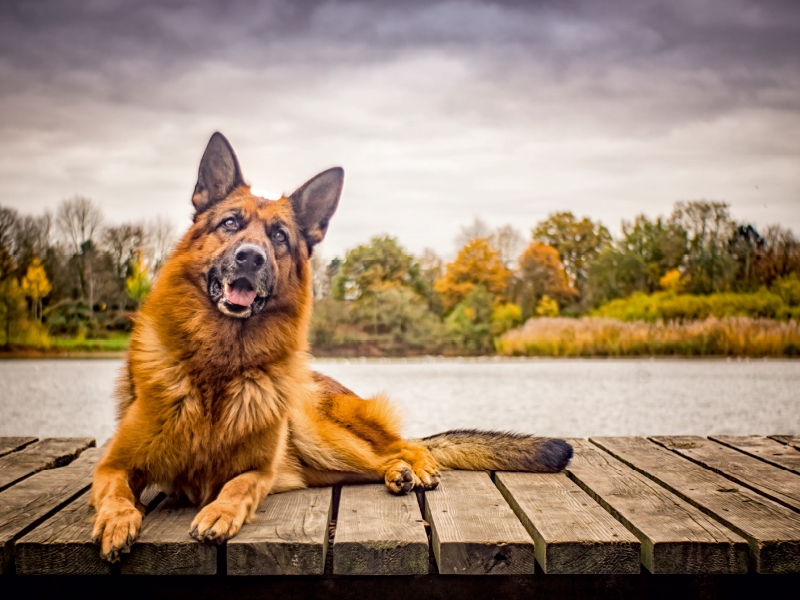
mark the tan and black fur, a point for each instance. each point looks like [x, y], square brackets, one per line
[217, 403]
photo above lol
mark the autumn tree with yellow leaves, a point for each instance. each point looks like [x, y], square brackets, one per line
[477, 264]
[139, 283]
[36, 286]
[12, 311]
[541, 273]
[672, 281]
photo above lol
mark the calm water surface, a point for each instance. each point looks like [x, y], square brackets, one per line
[569, 397]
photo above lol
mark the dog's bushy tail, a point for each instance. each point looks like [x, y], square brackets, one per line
[476, 450]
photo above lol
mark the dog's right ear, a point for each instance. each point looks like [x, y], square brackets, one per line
[219, 173]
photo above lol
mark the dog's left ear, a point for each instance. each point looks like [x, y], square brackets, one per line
[219, 173]
[315, 202]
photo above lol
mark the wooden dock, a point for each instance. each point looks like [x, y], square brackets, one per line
[626, 506]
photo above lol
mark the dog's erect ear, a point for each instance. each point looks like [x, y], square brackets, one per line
[219, 173]
[315, 202]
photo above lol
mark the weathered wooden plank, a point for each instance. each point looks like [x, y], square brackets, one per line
[771, 451]
[378, 533]
[33, 499]
[164, 546]
[473, 530]
[772, 530]
[62, 545]
[570, 531]
[12, 444]
[773, 482]
[789, 440]
[676, 537]
[47, 454]
[288, 537]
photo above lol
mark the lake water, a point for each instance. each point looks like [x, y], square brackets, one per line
[564, 397]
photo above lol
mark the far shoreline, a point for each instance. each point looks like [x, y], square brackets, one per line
[34, 354]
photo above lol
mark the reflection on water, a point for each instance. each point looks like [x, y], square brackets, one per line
[547, 396]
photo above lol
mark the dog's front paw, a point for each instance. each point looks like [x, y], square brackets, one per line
[115, 528]
[217, 522]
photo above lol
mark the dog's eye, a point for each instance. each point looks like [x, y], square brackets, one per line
[230, 224]
[279, 237]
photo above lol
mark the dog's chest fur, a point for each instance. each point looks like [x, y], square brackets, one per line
[212, 426]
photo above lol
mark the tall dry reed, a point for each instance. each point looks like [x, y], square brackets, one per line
[597, 336]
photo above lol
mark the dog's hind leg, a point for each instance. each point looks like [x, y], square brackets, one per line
[402, 466]
[363, 437]
[410, 466]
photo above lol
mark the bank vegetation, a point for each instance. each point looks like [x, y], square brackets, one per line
[695, 282]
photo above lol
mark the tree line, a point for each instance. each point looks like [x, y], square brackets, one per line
[381, 299]
[72, 274]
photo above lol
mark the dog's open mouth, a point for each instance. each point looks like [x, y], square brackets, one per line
[240, 293]
[237, 298]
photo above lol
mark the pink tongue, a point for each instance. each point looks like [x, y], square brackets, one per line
[238, 296]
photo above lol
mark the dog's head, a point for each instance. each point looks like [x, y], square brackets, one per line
[250, 252]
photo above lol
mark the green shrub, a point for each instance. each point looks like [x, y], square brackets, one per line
[468, 326]
[788, 288]
[668, 306]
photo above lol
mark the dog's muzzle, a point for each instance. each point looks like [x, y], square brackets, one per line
[241, 286]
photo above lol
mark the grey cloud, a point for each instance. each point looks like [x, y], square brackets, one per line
[70, 33]
[448, 109]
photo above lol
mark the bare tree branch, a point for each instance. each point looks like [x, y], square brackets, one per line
[77, 219]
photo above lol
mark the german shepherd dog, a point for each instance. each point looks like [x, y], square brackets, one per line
[217, 403]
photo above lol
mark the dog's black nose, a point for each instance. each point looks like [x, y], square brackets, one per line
[250, 257]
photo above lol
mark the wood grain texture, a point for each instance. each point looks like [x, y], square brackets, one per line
[773, 482]
[378, 533]
[770, 451]
[33, 499]
[772, 530]
[288, 537]
[12, 444]
[676, 537]
[47, 454]
[473, 530]
[62, 545]
[164, 546]
[789, 440]
[570, 531]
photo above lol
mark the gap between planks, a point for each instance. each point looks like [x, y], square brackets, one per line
[770, 481]
[26, 505]
[790, 440]
[378, 533]
[12, 444]
[49, 453]
[288, 537]
[473, 530]
[571, 532]
[766, 449]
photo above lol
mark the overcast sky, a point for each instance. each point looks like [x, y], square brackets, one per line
[438, 112]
